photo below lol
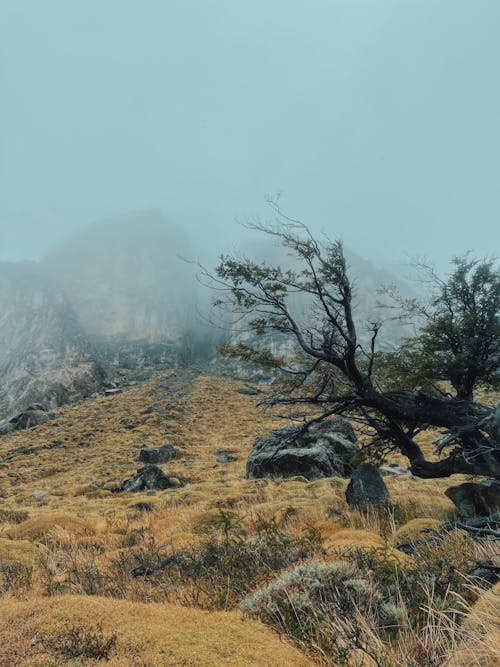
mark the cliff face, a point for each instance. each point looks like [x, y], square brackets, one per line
[125, 280]
[45, 357]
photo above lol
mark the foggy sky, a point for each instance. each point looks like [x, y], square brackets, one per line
[377, 120]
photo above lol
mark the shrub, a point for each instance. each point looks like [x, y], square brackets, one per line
[8, 515]
[82, 642]
[220, 571]
[308, 601]
[15, 577]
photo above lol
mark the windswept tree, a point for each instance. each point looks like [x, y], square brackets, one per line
[327, 369]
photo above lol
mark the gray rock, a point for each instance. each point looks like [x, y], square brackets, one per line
[159, 454]
[394, 469]
[366, 488]
[113, 391]
[147, 478]
[39, 495]
[32, 416]
[325, 450]
[481, 499]
[225, 455]
[248, 391]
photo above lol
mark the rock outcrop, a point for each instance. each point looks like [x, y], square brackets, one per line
[325, 450]
[131, 291]
[32, 416]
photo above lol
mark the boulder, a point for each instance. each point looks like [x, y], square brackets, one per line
[147, 478]
[159, 454]
[366, 488]
[32, 416]
[325, 450]
[481, 499]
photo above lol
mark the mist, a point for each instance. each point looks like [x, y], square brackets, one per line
[377, 122]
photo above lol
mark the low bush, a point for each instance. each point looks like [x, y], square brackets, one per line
[82, 642]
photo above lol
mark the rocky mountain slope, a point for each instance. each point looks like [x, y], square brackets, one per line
[118, 295]
[45, 356]
[77, 559]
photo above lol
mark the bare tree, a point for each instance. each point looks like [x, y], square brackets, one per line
[328, 371]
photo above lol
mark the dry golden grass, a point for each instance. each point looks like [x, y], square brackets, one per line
[91, 448]
[40, 526]
[415, 529]
[21, 551]
[148, 635]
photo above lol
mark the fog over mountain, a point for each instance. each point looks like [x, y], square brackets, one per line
[125, 277]
[120, 293]
[377, 121]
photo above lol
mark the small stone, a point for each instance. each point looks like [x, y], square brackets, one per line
[112, 392]
[225, 455]
[147, 478]
[366, 488]
[248, 391]
[39, 495]
[395, 469]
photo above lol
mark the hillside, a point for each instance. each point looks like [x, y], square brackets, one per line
[65, 532]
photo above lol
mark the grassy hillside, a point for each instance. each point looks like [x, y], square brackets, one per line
[80, 559]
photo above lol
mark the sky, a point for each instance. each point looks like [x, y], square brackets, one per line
[378, 121]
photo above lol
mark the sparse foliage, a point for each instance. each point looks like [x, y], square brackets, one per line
[327, 369]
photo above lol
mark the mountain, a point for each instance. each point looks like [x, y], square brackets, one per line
[117, 294]
[125, 279]
[45, 356]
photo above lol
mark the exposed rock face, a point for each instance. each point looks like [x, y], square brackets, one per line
[159, 454]
[325, 450]
[482, 499]
[127, 284]
[115, 296]
[366, 488]
[45, 356]
[148, 478]
[136, 354]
